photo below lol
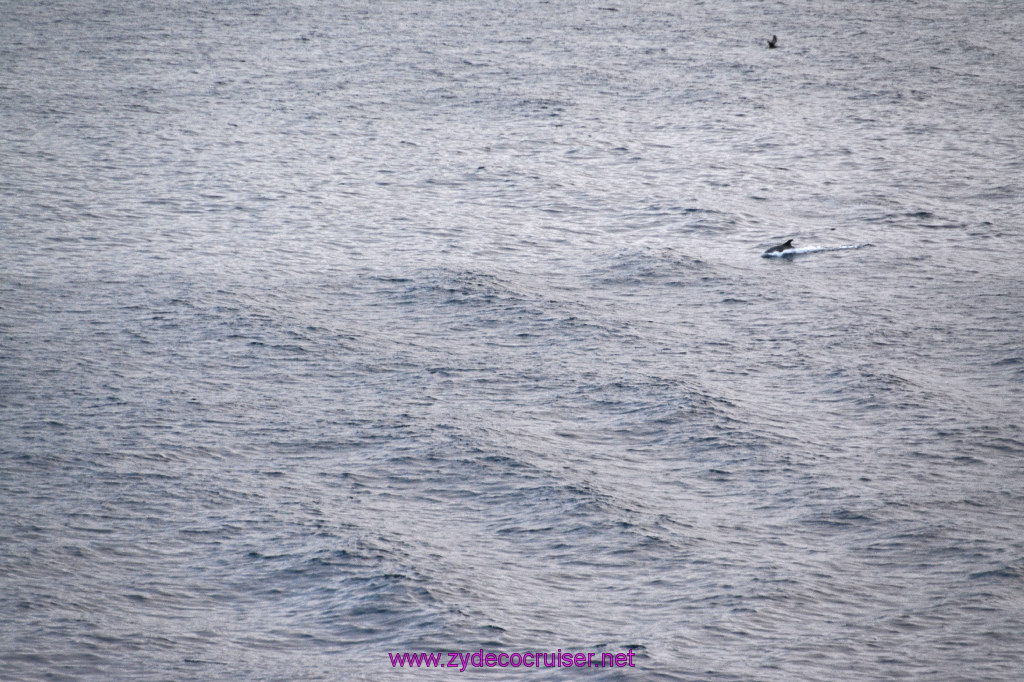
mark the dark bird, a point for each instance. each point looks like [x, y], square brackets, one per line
[771, 43]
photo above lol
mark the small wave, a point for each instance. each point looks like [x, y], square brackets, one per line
[799, 251]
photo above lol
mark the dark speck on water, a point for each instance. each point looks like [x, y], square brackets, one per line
[333, 329]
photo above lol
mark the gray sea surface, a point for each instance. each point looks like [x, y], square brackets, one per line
[330, 330]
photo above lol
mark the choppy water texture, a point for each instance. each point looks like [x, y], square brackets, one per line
[329, 329]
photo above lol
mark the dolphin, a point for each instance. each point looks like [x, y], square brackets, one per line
[779, 248]
[771, 43]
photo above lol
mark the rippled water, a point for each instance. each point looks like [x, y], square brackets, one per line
[329, 330]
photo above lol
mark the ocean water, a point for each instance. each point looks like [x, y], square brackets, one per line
[334, 329]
